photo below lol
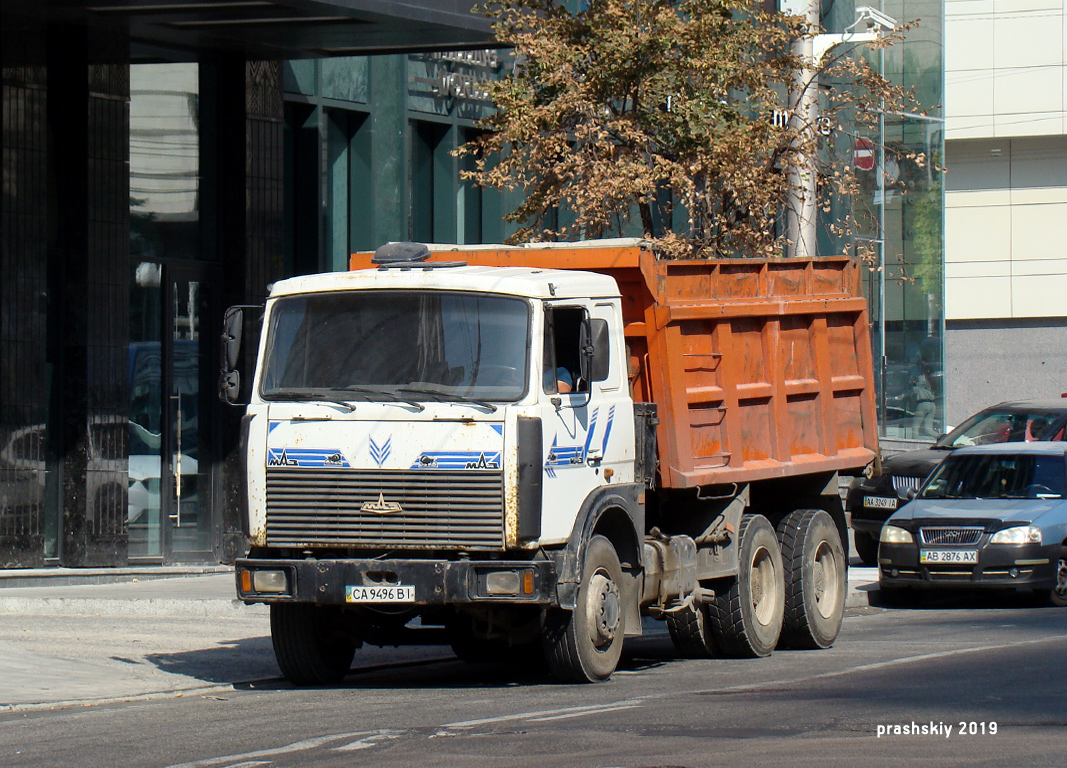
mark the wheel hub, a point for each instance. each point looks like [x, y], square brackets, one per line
[825, 582]
[1061, 577]
[605, 608]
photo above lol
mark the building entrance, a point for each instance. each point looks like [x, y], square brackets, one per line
[170, 446]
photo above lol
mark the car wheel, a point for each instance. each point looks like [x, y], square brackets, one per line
[866, 547]
[1057, 595]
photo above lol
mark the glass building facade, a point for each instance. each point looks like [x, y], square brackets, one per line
[899, 221]
[153, 176]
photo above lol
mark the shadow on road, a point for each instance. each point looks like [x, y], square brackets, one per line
[232, 661]
[248, 664]
[957, 599]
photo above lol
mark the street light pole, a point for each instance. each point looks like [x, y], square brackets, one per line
[810, 49]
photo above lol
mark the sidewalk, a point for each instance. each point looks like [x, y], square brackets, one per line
[160, 632]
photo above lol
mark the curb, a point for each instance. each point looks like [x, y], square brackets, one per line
[67, 577]
[153, 607]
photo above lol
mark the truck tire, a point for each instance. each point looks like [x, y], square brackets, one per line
[866, 547]
[691, 633]
[815, 579]
[746, 616]
[308, 643]
[584, 645]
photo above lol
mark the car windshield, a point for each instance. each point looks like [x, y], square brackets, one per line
[397, 346]
[1005, 425]
[998, 476]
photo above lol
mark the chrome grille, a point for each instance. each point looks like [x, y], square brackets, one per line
[905, 484]
[960, 536]
[439, 509]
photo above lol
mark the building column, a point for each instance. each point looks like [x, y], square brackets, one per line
[24, 374]
[88, 117]
[247, 162]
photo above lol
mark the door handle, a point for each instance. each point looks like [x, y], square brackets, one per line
[177, 516]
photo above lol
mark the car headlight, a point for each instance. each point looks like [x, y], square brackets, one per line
[1022, 534]
[891, 534]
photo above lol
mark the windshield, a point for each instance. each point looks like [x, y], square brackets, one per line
[389, 345]
[997, 476]
[1005, 426]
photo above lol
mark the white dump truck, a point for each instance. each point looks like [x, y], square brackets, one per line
[528, 449]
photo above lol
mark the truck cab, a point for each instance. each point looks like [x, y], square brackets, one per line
[428, 436]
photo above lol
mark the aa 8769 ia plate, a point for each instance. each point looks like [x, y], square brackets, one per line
[880, 502]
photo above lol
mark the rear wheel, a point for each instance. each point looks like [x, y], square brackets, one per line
[691, 632]
[584, 645]
[310, 643]
[866, 547]
[746, 616]
[815, 579]
[1057, 595]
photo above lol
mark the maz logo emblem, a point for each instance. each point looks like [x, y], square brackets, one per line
[381, 506]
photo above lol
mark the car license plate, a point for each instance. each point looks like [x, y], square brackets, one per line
[880, 502]
[952, 556]
[391, 593]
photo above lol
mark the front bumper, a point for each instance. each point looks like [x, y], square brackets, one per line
[436, 582]
[998, 566]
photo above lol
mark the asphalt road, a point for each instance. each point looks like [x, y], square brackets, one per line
[952, 682]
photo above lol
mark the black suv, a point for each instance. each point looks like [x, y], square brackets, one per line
[872, 501]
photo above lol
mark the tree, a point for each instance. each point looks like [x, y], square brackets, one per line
[667, 114]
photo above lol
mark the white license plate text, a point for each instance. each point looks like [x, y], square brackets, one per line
[391, 593]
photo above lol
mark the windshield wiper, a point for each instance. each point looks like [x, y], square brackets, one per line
[446, 396]
[302, 394]
[389, 394]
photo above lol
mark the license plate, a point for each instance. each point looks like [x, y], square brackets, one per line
[880, 502]
[392, 593]
[961, 556]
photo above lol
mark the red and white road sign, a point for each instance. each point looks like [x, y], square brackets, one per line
[863, 157]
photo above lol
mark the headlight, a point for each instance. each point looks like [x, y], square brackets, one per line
[891, 534]
[1023, 534]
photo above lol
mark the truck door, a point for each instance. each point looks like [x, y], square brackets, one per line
[581, 419]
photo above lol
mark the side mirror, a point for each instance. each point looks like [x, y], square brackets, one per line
[911, 493]
[229, 377]
[595, 350]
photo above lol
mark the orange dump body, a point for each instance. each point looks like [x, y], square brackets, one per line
[760, 368]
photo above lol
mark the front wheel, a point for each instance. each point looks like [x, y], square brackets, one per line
[815, 579]
[584, 645]
[746, 617]
[866, 547]
[1057, 595]
[310, 643]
